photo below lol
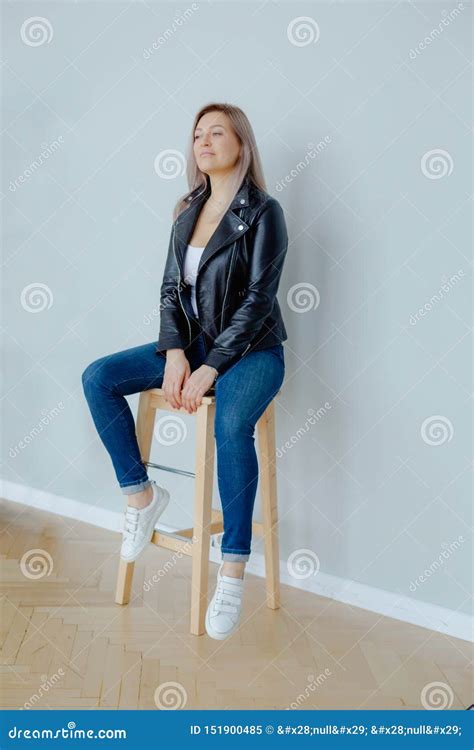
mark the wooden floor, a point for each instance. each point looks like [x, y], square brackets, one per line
[65, 643]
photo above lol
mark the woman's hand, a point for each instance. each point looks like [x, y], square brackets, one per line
[196, 385]
[177, 369]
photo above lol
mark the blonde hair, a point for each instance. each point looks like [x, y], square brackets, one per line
[248, 164]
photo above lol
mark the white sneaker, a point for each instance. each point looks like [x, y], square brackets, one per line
[223, 612]
[139, 525]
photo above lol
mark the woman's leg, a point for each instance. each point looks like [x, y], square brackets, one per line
[243, 393]
[106, 382]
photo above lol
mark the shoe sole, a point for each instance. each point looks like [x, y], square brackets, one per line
[165, 498]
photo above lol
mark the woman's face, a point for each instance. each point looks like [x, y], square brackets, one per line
[216, 146]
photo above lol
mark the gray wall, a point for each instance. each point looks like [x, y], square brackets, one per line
[363, 124]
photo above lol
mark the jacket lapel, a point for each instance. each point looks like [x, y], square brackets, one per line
[230, 227]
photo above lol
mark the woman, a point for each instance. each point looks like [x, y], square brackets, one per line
[220, 327]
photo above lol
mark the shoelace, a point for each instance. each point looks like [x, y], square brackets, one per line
[131, 522]
[226, 594]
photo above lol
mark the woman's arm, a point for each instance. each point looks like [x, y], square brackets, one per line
[270, 244]
[172, 333]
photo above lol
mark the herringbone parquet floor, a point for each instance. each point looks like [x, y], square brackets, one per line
[65, 643]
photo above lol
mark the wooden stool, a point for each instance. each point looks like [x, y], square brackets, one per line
[206, 520]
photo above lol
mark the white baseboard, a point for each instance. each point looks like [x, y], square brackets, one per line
[399, 607]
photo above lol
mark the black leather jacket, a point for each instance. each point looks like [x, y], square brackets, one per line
[236, 283]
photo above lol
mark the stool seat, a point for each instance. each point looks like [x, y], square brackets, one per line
[157, 397]
[195, 541]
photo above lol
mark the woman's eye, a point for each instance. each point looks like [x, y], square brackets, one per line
[197, 136]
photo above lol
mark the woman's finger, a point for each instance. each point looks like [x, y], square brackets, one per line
[185, 397]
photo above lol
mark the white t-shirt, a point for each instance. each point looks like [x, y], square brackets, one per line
[191, 263]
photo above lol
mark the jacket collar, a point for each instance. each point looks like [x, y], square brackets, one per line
[230, 227]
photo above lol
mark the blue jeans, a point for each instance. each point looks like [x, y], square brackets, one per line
[242, 394]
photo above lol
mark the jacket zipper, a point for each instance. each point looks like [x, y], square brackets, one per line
[231, 267]
[179, 292]
[198, 313]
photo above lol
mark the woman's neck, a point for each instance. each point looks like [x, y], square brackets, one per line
[221, 190]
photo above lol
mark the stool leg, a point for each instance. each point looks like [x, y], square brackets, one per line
[268, 494]
[124, 582]
[144, 432]
[145, 424]
[204, 478]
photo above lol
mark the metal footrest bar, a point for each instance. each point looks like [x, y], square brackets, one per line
[169, 468]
